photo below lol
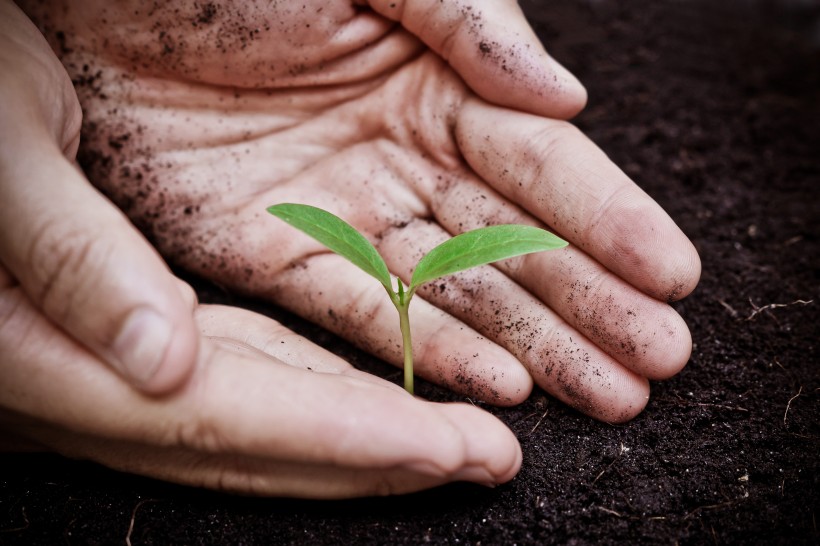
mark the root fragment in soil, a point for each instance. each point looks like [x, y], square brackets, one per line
[757, 310]
[134, 518]
[610, 465]
[789, 403]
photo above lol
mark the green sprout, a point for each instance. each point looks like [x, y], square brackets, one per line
[470, 249]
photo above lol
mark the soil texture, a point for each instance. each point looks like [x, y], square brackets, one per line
[714, 109]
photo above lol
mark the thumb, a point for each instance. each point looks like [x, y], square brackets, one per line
[493, 48]
[85, 267]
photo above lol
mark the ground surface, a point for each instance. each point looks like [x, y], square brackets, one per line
[715, 111]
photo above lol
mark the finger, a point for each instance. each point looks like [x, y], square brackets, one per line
[645, 335]
[88, 269]
[356, 307]
[268, 336]
[242, 475]
[491, 45]
[561, 361]
[246, 332]
[553, 171]
[243, 410]
[272, 477]
[36, 90]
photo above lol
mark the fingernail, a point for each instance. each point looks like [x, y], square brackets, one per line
[141, 344]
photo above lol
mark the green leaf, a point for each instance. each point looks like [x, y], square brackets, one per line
[337, 235]
[482, 246]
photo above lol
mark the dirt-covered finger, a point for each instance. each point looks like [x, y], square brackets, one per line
[642, 333]
[559, 176]
[492, 46]
[561, 360]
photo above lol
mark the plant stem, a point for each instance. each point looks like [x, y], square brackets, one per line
[402, 302]
[404, 324]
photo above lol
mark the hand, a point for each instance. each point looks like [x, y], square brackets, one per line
[414, 121]
[253, 408]
[75, 256]
[265, 412]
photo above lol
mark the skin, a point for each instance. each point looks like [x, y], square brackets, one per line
[414, 121]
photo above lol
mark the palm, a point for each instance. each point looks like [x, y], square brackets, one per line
[390, 138]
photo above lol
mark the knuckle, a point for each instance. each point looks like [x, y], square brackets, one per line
[188, 293]
[382, 486]
[201, 434]
[67, 267]
[616, 218]
[15, 322]
[555, 139]
[200, 428]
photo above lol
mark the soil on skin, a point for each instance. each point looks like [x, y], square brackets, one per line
[714, 108]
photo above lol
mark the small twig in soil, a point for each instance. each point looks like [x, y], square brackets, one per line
[757, 310]
[16, 529]
[634, 518]
[615, 460]
[608, 511]
[711, 507]
[728, 308]
[526, 417]
[67, 531]
[134, 518]
[789, 404]
[721, 406]
[687, 403]
[539, 420]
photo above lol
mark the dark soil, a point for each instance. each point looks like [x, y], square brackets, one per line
[714, 108]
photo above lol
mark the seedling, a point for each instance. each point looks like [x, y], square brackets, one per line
[470, 249]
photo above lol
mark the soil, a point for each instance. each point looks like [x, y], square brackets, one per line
[714, 108]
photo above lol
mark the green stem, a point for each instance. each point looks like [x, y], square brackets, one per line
[404, 323]
[402, 302]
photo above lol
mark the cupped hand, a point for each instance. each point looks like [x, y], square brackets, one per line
[77, 258]
[264, 412]
[413, 120]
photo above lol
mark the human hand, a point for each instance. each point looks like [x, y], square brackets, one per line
[265, 412]
[253, 408]
[199, 118]
[73, 254]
